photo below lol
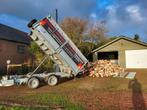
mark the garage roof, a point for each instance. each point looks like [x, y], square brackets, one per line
[11, 34]
[118, 38]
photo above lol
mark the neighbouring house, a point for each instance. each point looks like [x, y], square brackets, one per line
[126, 52]
[13, 46]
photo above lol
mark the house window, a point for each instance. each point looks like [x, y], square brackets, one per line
[21, 49]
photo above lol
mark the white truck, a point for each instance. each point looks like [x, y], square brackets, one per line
[53, 41]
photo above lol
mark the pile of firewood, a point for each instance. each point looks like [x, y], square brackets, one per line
[105, 68]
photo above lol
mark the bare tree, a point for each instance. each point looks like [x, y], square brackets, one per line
[74, 27]
[97, 31]
[79, 29]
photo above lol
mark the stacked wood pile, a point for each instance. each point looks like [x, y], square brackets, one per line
[105, 68]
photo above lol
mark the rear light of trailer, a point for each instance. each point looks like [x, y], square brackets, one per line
[43, 22]
[79, 65]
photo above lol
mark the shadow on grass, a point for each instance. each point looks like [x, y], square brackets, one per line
[137, 95]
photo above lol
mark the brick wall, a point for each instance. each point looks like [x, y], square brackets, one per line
[16, 52]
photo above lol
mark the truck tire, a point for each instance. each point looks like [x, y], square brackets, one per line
[30, 24]
[33, 83]
[52, 80]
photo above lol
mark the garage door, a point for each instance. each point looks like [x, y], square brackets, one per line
[136, 58]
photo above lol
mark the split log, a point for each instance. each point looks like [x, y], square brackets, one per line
[105, 68]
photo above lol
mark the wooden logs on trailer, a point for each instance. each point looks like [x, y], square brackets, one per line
[105, 68]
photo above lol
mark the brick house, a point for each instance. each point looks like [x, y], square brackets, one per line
[13, 46]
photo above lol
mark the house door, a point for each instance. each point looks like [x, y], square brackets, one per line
[136, 58]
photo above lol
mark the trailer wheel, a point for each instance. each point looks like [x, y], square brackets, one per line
[33, 83]
[52, 80]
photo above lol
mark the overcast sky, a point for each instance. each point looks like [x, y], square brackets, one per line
[123, 17]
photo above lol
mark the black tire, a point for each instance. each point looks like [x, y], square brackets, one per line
[33, 83]
[79, 75]
[52, 80]
[30, 24]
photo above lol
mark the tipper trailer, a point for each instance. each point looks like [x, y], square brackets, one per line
[57, 46]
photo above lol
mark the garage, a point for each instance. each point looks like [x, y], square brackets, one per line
[124, 51]
[136, 58]
[112, 56]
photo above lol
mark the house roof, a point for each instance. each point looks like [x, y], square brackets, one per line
[119, 38]
[11, 34]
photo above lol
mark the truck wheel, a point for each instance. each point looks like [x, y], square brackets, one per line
[33, 83]
[52, 80]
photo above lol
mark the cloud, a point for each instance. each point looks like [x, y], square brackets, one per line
[123, 17]
[93, 15]
[134, 13]
[26, 10]
[126, 18]
[112, 17]
[29, 9]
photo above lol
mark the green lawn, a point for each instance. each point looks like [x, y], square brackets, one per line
[46, 101]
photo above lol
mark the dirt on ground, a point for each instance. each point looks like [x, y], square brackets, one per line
[92, 93]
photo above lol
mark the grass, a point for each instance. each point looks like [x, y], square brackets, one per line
[52, 100]
[19, 108]
[113, 84]
[77, 94]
